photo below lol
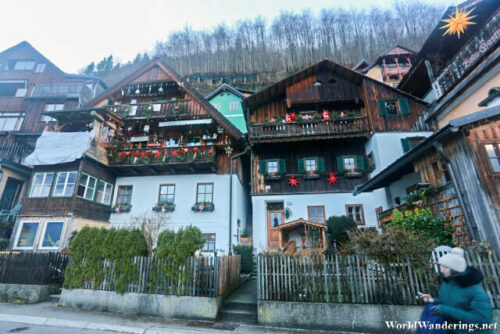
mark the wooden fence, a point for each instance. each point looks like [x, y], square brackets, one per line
[32, 268]
[359, 279]
[201, 277]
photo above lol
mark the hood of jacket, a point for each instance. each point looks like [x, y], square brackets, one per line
[471, 276]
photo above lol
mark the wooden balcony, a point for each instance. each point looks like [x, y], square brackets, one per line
[151, 161]
[305, 130]
[157, 109]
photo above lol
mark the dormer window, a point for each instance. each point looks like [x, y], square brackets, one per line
[24, 65]
[317, 83]
[40, 68]
[392, 107]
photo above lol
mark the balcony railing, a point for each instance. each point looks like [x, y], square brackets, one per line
[160, 108]
[485, 41]
[339, 126]
[13, 151]
[163, 156]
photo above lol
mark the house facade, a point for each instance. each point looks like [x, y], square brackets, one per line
[390, 67]
[316, 135]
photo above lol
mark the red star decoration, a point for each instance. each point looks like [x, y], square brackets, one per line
[332, 178]
[293, 181]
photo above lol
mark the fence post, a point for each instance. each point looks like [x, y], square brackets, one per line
[216, 274]
[325, 273]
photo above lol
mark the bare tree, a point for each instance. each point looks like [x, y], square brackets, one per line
[151, 225]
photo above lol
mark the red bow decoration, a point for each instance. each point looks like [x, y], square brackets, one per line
[158, 154]
[136, 154]
[342, 114]
[129, 154]
[165, 153]
[332, 179]
[293, 181]
[293, 116]
[122, 154]
[326, 115]
[288, 119]
[174, 153]
[143, 154]
[149, 154]
[195, 150]
[210, 151]
[203, 150]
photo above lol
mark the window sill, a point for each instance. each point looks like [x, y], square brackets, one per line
[273, 177]
[311, 176]
[353, 174]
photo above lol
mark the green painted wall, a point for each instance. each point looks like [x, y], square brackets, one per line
[236, 117]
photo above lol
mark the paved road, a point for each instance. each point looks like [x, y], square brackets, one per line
[13, 327]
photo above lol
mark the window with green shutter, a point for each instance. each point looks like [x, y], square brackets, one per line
[381, 107]
[360, 163]
[301, 165]
[263, 167]
[340, 164]
[272, 167]
[404, 106]
[394, 107]
[311, 165]
[281, 166]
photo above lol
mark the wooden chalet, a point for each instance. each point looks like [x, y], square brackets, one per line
[313, 139]
[391, 66]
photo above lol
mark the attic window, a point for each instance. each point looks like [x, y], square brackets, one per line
[317, 83]
[332, 81]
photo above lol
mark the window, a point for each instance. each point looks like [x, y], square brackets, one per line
[11, 121]
[349, 163]
[272, 166]
[21, 92]
[104, 190]
[86, 187]
[41, 184]
[53, 107]
[356, 212]
[410, 142]
[393, 107]
[133, 109]
[493, 153]
[124, 195]
[233, 106]
[24, 65]
[216, 106]
[316, 214]
[205, 192]
[167, 192]
[26, 235]
[40, 68]
[371, 161]
[52, 235]
[65, 184]
[10, 88]
[310, 165]
[378, 212]
[209, 242]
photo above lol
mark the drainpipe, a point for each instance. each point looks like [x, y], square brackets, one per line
[247, 148]
[470, 225]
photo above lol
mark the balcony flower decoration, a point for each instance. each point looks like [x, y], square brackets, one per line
[293, 116]
[179, 154]
[148, 112]
[210, 154]
[326, 115]
[203, 207]
[193, 154]
[164, 207]
[288, 119]
[122, 208]
[177, 109]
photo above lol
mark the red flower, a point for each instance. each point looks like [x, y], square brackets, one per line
[157, 154]
[136, 154]
[143, 154]
[195, 150]
[176, 107]
[293, 116]
[129, 154]
[293, 181]
[211, 151]
[174, 153]
[188, 150]
[149, 154]
[165, 153]
[122, 154]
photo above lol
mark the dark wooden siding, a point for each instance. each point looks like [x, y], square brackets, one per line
[291, 152]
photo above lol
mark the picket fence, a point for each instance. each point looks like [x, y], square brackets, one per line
[359, 279]
[32, 268]
[201, 277]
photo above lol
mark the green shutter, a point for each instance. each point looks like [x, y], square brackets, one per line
[360, 162]
[340, 164]
[263, 167]
[406, 144]
[301, 166]
[281, 166]
[404, 106]
[382, 108]
[321, 164]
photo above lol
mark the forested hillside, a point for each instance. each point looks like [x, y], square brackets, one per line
[270, 50]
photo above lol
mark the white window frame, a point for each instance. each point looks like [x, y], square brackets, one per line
[106, 184]
[206, 250]
[65, 184]
[216, 106]
[87, 186]
[270, 169]
[353, 161]
[40, 67]
[43, 182]
[308, 167]
[53, 107]
[233, 106]
[18, 116]
[24, 66]
[21, 92]
[18, 234]
[167, 194]
[42, 237]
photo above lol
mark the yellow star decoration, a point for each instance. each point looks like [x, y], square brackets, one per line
[458, 23]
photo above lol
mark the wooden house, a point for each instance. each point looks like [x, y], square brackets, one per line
[160, 149]
[389, 67]
[317, 134]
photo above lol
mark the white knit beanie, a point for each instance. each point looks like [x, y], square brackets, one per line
[454, 260]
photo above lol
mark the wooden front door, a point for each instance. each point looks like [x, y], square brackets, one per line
[274, 219]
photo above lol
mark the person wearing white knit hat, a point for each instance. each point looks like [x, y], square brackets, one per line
[461, 299]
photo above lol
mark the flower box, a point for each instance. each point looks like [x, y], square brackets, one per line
[353, 174]
[164, 207]
[203, 207]
[122, 208]
[273, 177]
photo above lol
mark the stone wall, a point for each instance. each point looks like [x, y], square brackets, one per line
[182, 307]
[24, 294]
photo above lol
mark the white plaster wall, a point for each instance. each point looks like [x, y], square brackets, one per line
[334, 206]
[145, 196]
[398, 188]
[387, 147]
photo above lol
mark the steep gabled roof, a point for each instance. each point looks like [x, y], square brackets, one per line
[226, 87]
[280, 87]
[30, 48]
[361, 65]
[387, 51]
[233, 131]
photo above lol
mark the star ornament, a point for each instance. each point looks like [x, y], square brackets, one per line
[293, 181]
[456, 25]
[332, 179]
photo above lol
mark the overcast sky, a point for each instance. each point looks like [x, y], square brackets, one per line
[73, 33]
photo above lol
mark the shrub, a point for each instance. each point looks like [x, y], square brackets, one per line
[179, 246]
[422, 220]
[338, 227]
[246, 253]
[91, 246]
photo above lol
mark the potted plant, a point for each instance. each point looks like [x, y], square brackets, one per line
[122, 208]
[311, 174]
[353, 173]
[164, 207]
[203, 207]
